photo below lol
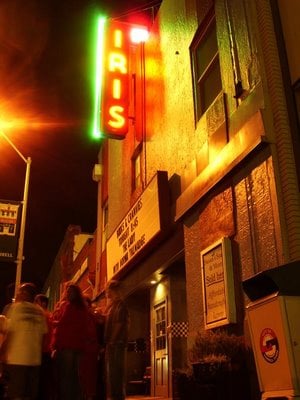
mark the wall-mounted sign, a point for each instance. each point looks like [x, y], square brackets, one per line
[217, 284]
[114, 98]
[112, 79]
[269, 345]
[139, 226]
[10, 214]
[114, 40]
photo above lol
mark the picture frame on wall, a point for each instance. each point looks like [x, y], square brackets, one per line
[218, 284]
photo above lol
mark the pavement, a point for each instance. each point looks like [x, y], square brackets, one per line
[146, 398]
[140, 397]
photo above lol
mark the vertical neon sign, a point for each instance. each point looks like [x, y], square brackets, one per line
[112, 83]
[112, 76]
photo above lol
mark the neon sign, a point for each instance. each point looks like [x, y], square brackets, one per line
[112, 77]
[115, 99]
[113, 82]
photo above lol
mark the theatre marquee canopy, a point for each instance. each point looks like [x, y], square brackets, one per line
[149, 216]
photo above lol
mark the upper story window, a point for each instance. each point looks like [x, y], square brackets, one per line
[137, 168]
[205, 66]
[104, 225]
[137, 171]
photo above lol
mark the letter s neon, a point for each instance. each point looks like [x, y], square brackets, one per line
[118, 120]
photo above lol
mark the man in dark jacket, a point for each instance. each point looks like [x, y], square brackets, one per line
[116, 339]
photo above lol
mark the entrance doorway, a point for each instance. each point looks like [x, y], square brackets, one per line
[160, 316]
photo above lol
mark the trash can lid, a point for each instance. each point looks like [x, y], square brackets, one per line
[284, 280]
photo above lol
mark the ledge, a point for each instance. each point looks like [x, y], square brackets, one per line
[249, 137]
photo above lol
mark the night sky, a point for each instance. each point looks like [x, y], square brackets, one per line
[46, 89]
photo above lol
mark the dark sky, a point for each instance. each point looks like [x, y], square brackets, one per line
[46, 81]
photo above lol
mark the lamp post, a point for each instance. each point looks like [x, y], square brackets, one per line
[19, 259]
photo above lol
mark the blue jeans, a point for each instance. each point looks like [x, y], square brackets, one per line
[116, 361]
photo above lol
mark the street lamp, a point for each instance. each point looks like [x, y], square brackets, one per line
[19, 259]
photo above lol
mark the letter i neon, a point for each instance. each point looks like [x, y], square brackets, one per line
[118, 38]
[116, 89]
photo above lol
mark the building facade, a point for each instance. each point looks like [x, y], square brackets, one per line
[203, 191]
[74, 262]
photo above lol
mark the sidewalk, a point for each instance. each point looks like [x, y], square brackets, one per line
[140, 397]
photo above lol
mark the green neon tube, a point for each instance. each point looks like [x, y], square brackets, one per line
[98, 76]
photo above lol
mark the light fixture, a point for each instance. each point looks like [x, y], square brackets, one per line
[97, 172]
[139, 34]
[19, 259]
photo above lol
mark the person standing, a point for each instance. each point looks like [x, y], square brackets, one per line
[46, 382]
[69, 340]
[89, 360]
[26, 327]
[3, 330]
[101, 378]
[116, 339]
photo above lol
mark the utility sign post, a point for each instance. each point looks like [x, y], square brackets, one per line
[7, 224]
[10, 216]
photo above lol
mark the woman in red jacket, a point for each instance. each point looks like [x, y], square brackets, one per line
[69, 339]
[89, 362]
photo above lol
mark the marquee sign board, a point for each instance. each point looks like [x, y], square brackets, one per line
[143, 222]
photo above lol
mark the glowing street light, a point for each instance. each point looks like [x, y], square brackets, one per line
[19, 259]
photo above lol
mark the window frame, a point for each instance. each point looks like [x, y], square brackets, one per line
[104, 225]
[201, 77]
[137, 154]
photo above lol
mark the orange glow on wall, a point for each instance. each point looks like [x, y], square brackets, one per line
[115, 88]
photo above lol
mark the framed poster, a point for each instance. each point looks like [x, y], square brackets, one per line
[218, 284]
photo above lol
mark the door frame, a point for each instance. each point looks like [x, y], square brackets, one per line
[155, 388]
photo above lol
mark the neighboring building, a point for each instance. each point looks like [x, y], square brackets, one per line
[73, 262]
[206, 182]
